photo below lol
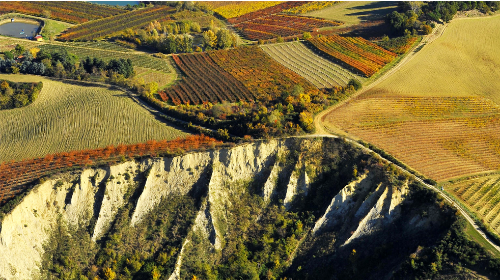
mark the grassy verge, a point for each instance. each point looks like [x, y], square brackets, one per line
[476, 237]
[487, 230]
[53, 28]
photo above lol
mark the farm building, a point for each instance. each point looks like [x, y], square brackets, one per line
[38, 38]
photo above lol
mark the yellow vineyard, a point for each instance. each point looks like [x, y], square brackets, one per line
[241, 8]
[439, 113]
[481, 195]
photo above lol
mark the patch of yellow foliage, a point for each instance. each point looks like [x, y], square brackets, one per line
[239, 9]
[311, 6]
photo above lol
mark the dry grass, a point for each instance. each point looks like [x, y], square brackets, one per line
[464, 61]
[355, 12]
[69, 117]
[439, 113]
[161, 78]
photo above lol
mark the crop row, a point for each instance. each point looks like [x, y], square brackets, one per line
[74, 12]
[281, 25]
[101, 45]
[357, 53]
[204, 81]
[111, 25]
[267, 11]
[264, 77]
[423, 107]
[398, 45]
[439, 149]
[317, 70]
[311, 6]
[236, 9]
[482, 195]
[15, 176]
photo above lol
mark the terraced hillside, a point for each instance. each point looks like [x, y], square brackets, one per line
[68, 117]
[317, 70]
[440, 112]
[359, 55]
[482, 196]
[116, 24]
[69, 11]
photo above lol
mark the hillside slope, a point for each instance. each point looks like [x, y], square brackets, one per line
[439, 113]
[301, 208]
[71, 116]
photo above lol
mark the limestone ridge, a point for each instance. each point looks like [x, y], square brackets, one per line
[100, 192]
[97, 194]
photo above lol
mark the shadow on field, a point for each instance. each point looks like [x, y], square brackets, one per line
[81, 83]
[173, 125]
[376, 10]
[121, 95]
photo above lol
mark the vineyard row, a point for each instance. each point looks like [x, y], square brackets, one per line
[15, 176]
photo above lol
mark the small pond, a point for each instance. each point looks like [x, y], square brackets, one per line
[116, 3]
[19, 29]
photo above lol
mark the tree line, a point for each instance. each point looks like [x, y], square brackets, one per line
[176, 37]
[61, 64]
[419, 17]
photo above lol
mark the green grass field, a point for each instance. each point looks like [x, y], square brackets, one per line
[69, 117]
[53, 28]
[439, 113]
[354, 12]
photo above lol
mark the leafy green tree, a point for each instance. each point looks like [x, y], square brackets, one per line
[224, 38]
[8, 55]
[355, 83]
[18, 50]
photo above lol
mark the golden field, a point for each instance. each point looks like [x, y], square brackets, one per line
[439, 113]
[68, 117]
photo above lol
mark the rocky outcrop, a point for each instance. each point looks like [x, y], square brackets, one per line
[278, 170]
[28, 227]
[343, 203]
[99, 193]
[171, 176]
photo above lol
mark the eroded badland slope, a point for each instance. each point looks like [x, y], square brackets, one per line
[301, 208]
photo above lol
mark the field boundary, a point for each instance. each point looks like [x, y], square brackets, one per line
[319, 118]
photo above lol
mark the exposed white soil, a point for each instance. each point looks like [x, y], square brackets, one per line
[363, 205]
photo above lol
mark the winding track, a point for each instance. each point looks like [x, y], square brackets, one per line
[436, 33]
[443, 194]
[323, 131]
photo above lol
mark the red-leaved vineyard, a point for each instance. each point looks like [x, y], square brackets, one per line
[15, 177]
